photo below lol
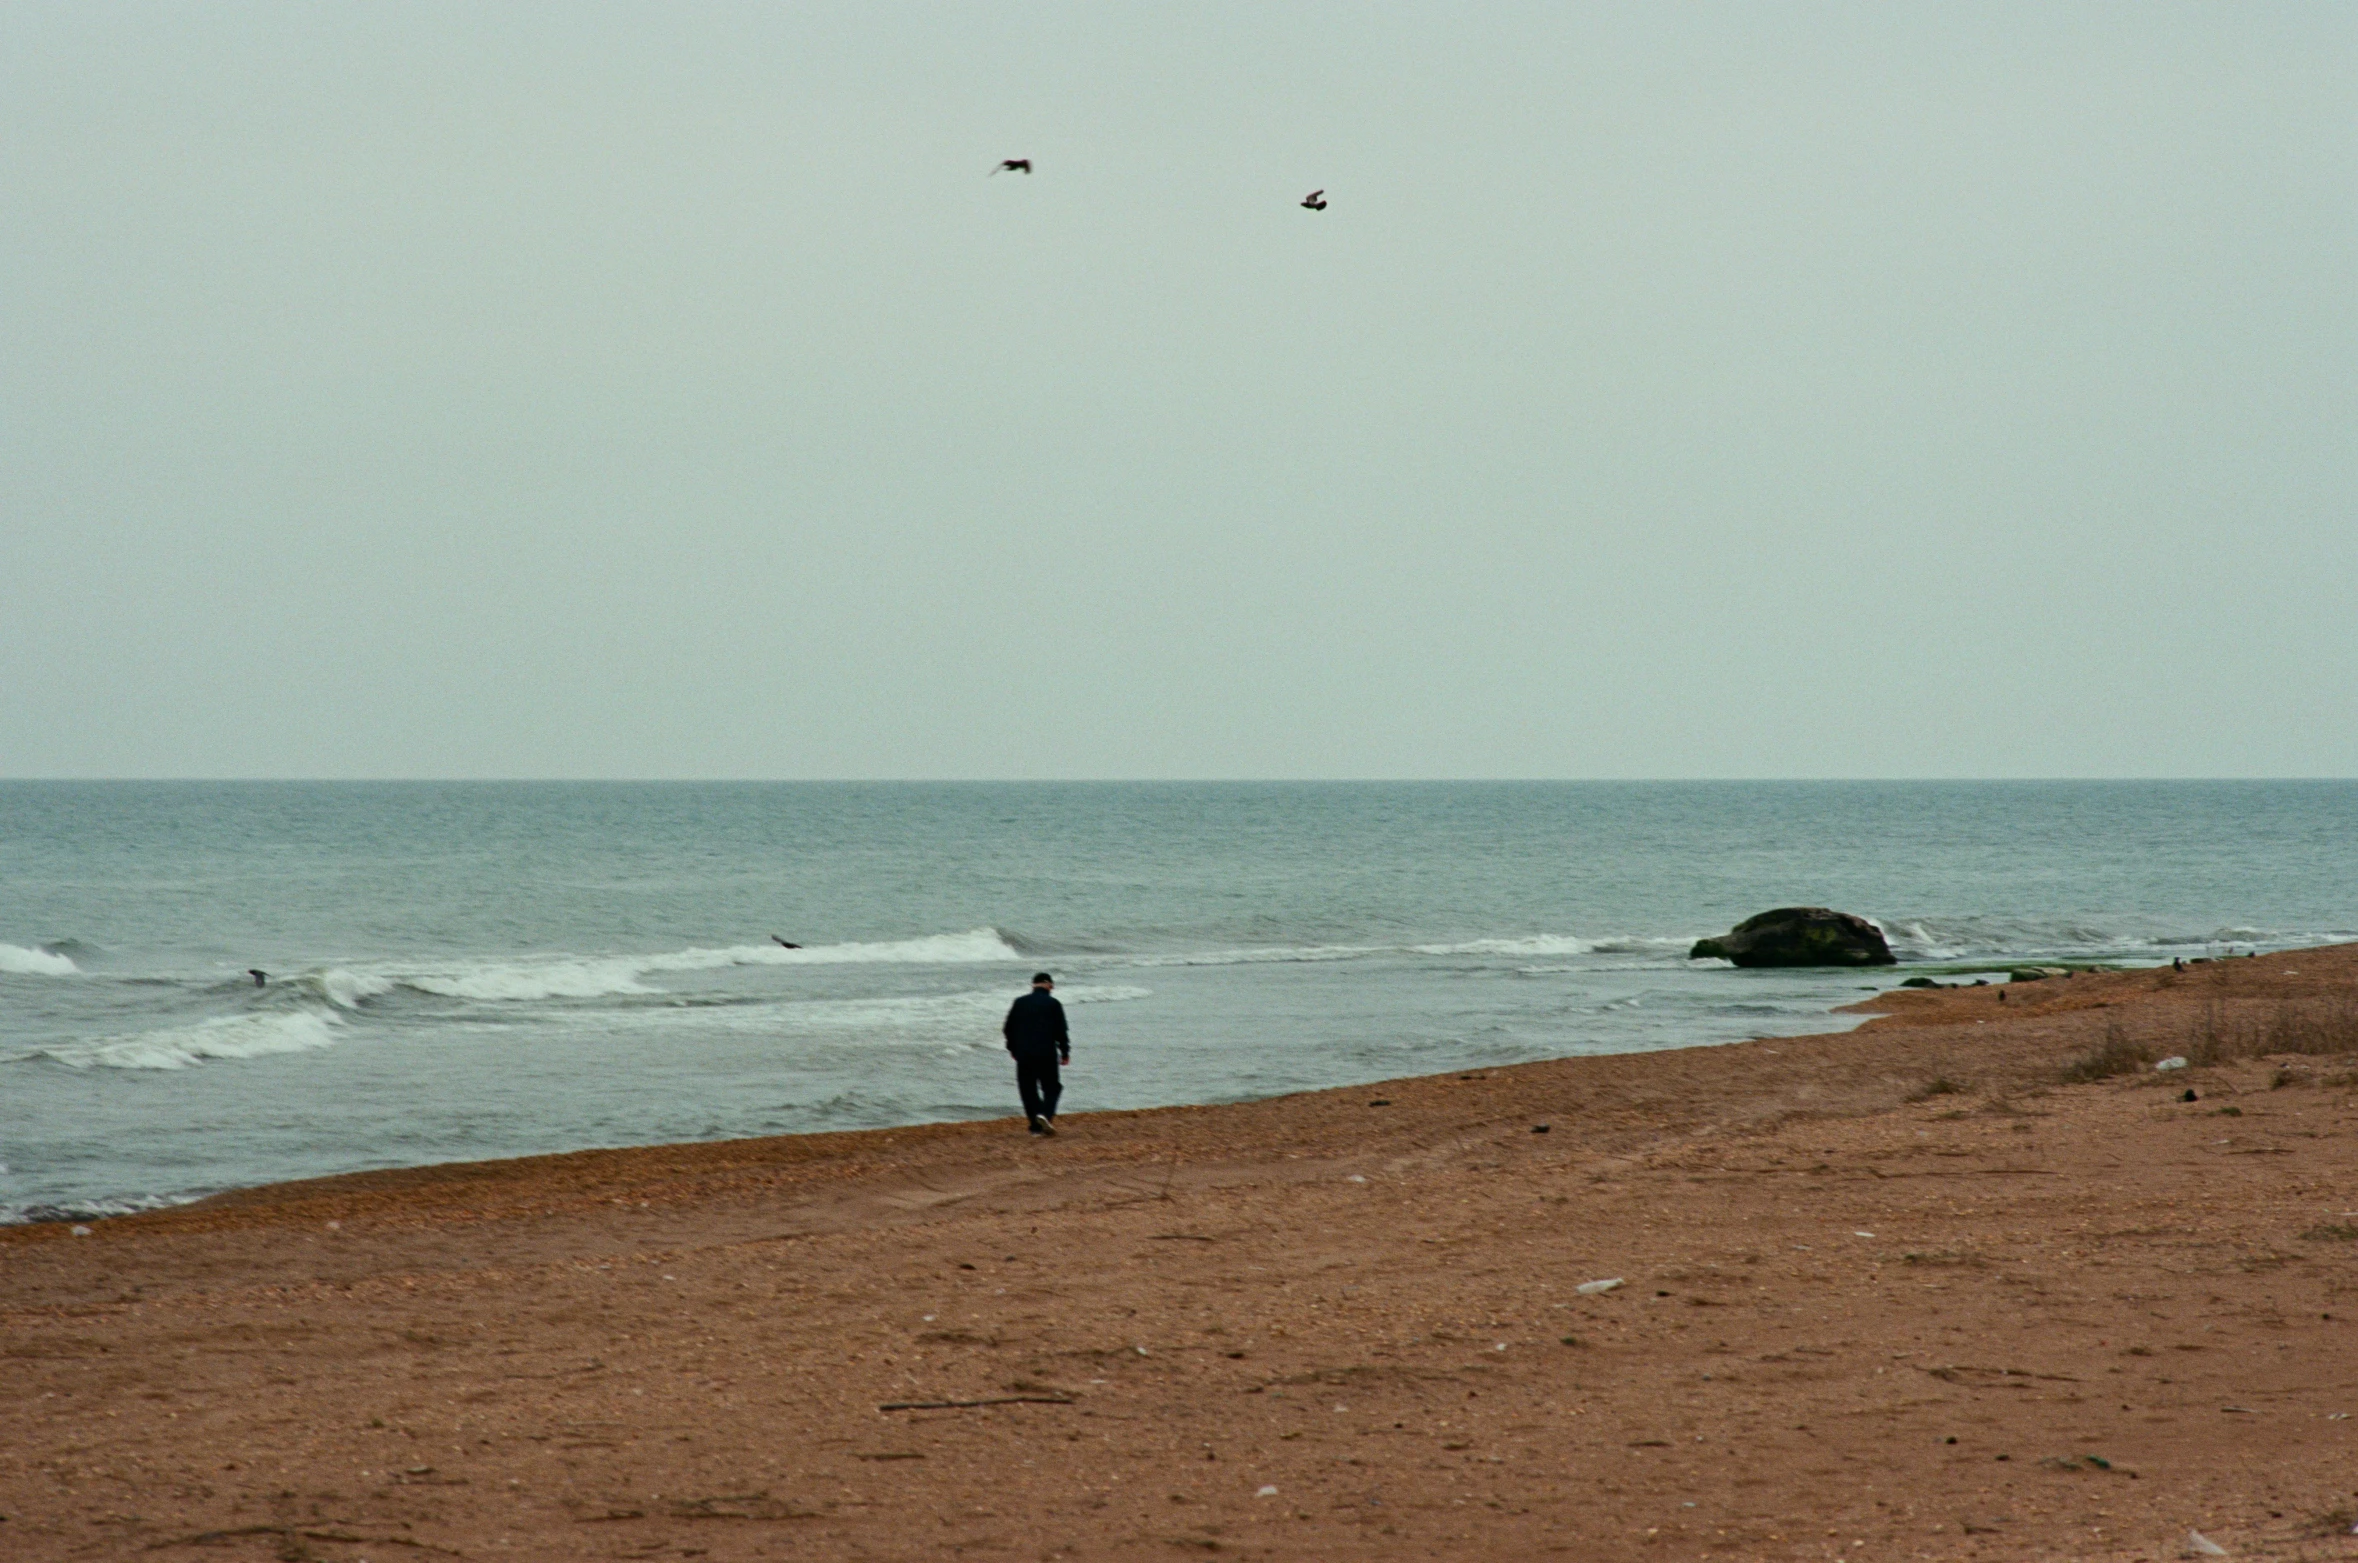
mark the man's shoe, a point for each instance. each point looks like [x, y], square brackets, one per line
[1047, 1126]
[1040, 1128]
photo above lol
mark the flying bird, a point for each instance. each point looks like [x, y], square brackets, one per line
[1315, 200]
[1014, 165]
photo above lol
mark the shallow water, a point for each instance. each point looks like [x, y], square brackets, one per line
[466, 970]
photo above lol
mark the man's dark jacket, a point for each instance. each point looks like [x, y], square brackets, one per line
[1035, 1028]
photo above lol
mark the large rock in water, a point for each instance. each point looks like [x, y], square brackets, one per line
[1799, 936]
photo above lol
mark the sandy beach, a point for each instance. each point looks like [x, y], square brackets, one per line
[1907, 1291]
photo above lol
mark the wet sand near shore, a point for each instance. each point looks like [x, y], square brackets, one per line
[1900, 1292]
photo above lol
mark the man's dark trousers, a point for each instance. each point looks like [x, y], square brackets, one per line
[1040, 1084]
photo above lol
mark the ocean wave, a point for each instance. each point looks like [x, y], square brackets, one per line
[1086, 993]
[1988, 937]
[540, 980]
[18, 961]
[91, 1209]
[178, 1047]
[1267, 955]
[1646, 944]
[1523, 948]
[347, 989]
[578, 977]
[970, 1016]
[989, 1003]
[1543, 944]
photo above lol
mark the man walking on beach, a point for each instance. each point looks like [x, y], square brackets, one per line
[1036, 1036]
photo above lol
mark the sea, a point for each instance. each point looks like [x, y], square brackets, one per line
[456, 971]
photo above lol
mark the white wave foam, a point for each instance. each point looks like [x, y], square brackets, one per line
[1646, 944]
[979, 1007]
[575, 977]
[1543, 944]
[1521, 948]
[346, 989]
[545, 980]
[1110, 993]
[1916, 939]
[16, 960]
[1270, 954]
[93, 1209]
[1990, 937]
[231, 1036]
[969, 1018]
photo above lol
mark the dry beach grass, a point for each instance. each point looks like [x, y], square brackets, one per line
[1902, 1292]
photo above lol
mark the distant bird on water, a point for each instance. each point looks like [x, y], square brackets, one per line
[260, 977]
[1014, 165]
[1315, 200]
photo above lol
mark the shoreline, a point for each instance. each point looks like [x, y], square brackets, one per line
[1192, 1292]
[512, 1183]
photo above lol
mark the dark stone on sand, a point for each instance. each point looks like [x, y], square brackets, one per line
[1799, 936]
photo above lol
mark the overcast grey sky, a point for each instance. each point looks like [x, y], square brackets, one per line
[665, 390]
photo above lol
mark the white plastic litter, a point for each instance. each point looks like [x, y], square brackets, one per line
[81, 1231]
[2169, 1063]
[2202, 1545]
[1266, 1492]
[1591, 1288]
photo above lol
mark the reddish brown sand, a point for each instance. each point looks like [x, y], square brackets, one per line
[2017, 1319]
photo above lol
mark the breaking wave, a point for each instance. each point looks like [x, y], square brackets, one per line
[178, 1047]
[18, 961]
[348, 990]
[546, 980]
[1545, 944]
[576, 977]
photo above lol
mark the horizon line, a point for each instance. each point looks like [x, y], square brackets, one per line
[1129, 781]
